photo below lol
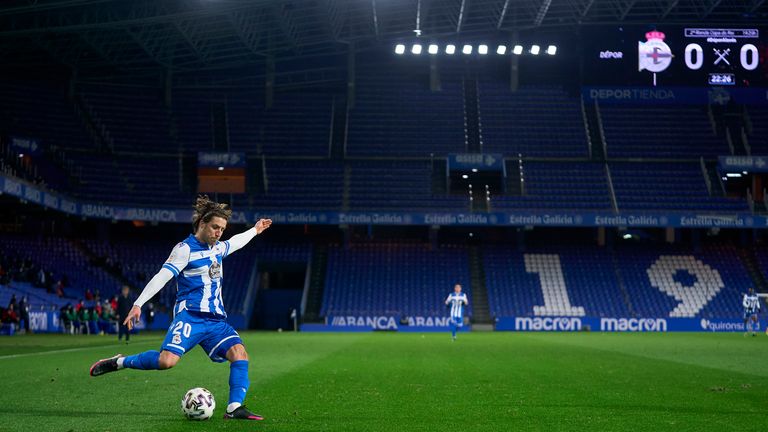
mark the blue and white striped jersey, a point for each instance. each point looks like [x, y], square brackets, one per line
[751, 303]
[457, 302]
[199, 273]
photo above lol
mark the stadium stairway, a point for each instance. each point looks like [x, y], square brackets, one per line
[92, 123]
[439, 176]
[339, 119]
[255, 181]
[481, 311]
[715, 183]
[319, 266]
[622, 287]
[512, 184]
[749, 259]
[472, 115]
[730, 123]
[592, 123]
[347, 185]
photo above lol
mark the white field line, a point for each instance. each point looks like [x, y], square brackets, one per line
[68, 350]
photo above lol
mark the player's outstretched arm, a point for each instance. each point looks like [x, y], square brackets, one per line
[153, 287]
[238, 241]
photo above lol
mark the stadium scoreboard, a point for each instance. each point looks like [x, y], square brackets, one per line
[676, 56]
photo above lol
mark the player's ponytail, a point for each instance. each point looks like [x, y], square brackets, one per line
[206, 209]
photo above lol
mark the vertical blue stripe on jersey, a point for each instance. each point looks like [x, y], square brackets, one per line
[195, 287]
[457, 305]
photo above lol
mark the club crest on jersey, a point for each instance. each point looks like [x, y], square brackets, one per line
[653, 55]
[176, 339]
[214, 271]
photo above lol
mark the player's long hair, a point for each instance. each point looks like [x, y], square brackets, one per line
[206, 209]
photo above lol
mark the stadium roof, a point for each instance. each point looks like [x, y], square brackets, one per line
[191, 35]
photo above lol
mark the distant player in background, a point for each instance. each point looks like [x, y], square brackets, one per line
[199, 311]
[456, 300]
[751, 305]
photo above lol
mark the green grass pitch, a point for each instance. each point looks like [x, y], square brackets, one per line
[395, 382]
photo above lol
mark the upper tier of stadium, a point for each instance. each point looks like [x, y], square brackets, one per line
[386, 150]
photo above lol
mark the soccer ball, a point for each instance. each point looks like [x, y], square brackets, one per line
[198, 404]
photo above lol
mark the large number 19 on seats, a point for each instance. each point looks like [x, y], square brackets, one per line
[694, 56]
[661, 275]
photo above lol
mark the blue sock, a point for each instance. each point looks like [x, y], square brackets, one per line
[238, 381]
[453, 330]
[148, 360]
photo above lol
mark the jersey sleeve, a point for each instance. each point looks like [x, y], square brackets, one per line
[238, 241]
[154, 286]
[178, 260]
[224, 248]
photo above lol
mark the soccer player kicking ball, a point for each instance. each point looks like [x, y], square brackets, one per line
[457, 300]
[199, 311]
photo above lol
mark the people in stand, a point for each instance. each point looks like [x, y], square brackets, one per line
[84, 318]
[24, 313]
[106, 319]
[93, 320]
[68, 318]
[113, 303]
[41, 281]
[11, 317]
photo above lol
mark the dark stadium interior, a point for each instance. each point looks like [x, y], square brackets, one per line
[592, 173]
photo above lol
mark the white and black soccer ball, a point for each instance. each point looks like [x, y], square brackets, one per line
[198, 404]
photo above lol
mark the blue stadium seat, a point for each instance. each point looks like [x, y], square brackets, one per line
[397, 279]
[535, 121]
[660, 132]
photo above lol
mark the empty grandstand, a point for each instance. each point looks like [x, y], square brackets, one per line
[594, 202]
